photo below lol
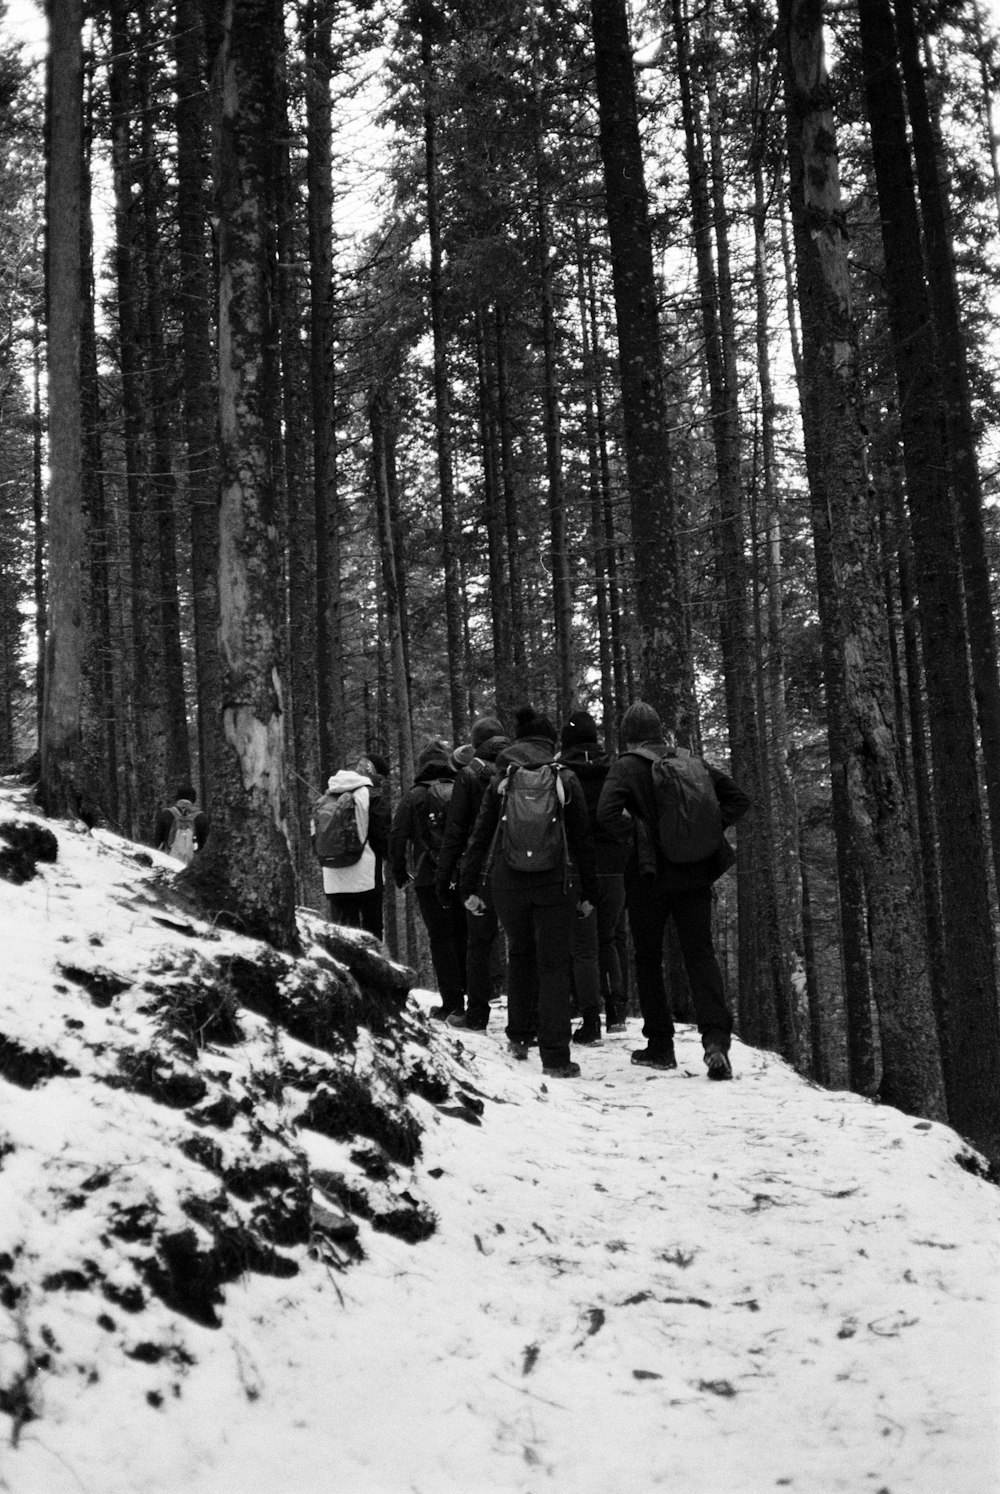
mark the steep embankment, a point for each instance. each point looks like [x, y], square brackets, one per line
[157, 1078]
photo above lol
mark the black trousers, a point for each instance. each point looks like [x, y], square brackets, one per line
[537, 914]
[357, 910]
[446, 933]
[481, 937]
[649, 907]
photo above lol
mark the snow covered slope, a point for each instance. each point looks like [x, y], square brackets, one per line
[265, 1230]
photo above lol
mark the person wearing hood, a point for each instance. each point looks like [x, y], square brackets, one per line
[473, 776]
[537, 908]
[657, 888]
[414, 846]
[354, 893]
[596, 966]
[372, 765]
[184, 810]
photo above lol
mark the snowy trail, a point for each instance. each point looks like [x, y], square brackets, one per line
[638, 1282]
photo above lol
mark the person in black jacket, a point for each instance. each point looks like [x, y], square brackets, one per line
[656, 889]
[481, 931]
[411, 836]
[596, 966]
[536, 908]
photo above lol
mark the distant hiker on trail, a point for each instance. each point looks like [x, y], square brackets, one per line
[375, 767]
[181, 828]
[415, 842]
[597, 971]
[679, 806]
[350, 831]
[481, 933]
[532, 854]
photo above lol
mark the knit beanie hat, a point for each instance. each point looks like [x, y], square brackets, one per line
[484, 728]
[434, 752]
[488, 750]
[640, 723]
[463, 755]
[580, 727]
[529, 724]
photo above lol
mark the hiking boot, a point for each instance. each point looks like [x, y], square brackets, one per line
[517, 1050]
[442, 1013]
[467, 1021]
[562, 1071]
[589, 1030]
[614, 1017]
[717, 1062]
[655, 1058]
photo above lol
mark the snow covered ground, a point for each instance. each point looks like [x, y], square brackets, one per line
[638, 1280]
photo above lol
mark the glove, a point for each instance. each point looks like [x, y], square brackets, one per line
[475, 905]
[584, 909]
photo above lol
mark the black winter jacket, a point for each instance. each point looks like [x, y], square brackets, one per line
[407, 828]
[531, 752]
[467, 795]
[628, 796]
[591, 765]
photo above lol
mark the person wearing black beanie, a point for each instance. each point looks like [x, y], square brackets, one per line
[597, 967]
[537, 903]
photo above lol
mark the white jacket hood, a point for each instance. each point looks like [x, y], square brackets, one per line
[347, 780]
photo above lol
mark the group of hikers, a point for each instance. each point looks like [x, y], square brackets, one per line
[543, 836]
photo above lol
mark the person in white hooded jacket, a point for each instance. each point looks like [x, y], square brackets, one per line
[354, 893]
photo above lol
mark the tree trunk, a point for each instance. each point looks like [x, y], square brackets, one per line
[503, 662]
[64, 788]
[304, 500]
[330, 660]
[871, 813]
[200, 397]
[245, 870]
[442, 400]
[152, 784]
[162, 485]
[968, 967]
[562, 600]
[953, 372]
[512, 531]
[647, 446]
[763, 962]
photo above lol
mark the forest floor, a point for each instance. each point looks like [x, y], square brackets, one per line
[637, 1280]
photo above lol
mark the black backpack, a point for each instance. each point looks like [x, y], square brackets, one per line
[689, 821]
[532, 828]
[336, 839]
[432, 811]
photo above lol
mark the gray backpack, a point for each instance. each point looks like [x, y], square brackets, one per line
[532, 827]
[689, 821]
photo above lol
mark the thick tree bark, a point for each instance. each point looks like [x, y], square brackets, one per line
[64, 788]
[767, 1015]
[871, 813]
[647, 445]
[161, 483]
[953, 372]
[302, 503]
[245, 871]
[330, 663]
[148, 763]
[200, 397]
[932, 375]
[381, 424]
[504, 679]
[101, 732]
[968, 964]
[442, 396]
